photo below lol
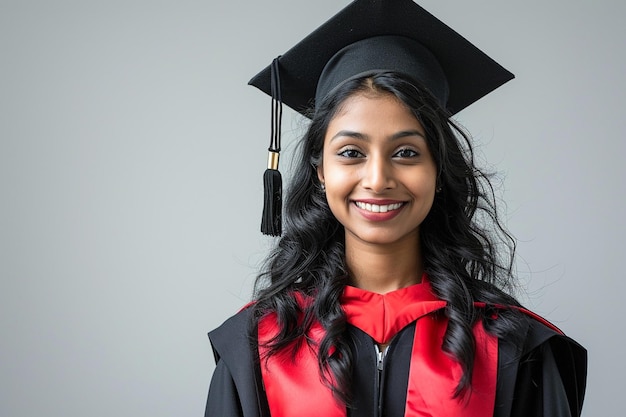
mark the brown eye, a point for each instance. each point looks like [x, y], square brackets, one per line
[406, 153]
[351, 153]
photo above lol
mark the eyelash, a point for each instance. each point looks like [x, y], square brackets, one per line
[413, 152]
[353, 153]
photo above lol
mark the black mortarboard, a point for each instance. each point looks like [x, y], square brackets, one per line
[367, 36]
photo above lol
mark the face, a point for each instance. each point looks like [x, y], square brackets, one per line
[379, 174]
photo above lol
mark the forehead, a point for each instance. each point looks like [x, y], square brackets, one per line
[374, 108]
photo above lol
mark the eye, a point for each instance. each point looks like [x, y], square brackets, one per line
[351, 153]
[406, 153]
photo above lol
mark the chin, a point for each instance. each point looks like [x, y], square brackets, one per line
[382, 237]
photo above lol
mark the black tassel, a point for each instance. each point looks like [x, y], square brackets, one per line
[271, 224]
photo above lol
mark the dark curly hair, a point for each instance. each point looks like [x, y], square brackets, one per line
[466, 251]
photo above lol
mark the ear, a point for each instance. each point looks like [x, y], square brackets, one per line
[320, 172]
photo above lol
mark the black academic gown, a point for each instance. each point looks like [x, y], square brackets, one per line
[543, 377]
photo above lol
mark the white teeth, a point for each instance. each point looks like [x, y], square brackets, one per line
[375, 208]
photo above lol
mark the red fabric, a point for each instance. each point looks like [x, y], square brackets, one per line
[292, 383]
[433, 375]
[382, 316]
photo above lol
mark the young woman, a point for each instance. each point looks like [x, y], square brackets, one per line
[385, 295]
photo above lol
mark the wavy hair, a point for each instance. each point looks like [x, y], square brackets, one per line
[466, 251]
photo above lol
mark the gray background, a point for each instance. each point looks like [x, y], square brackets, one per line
[131, 155]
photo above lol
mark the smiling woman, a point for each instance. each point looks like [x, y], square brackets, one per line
[387, 292]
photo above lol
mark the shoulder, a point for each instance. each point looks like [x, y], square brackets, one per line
[533, 331]
[236, 383]
[542, 362]
[233, 337]
[540, 331]
[532, 328]
[566, 356]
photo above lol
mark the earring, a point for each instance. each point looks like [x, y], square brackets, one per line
[438, 189]
[323, 187]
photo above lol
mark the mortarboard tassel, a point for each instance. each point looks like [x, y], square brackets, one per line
[271, 223]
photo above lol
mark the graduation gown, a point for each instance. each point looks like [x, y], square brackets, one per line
[543, 376]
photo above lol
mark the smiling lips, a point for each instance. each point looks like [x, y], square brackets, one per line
[380, 211]
[378, 208]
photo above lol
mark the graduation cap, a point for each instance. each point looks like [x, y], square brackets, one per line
[366, 37]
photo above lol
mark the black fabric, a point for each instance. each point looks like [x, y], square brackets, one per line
[544, 377]
[223, 388]
[554, 370]
[236, 387]
[403, 55]
[393, 378]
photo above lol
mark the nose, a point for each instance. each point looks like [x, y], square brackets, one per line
[378, 174]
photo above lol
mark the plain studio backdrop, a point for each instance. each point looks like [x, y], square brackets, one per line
[131, 158]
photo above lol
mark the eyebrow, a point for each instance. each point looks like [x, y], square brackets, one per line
[361, 136]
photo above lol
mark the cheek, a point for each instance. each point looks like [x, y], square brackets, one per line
[339, 180]
[430, 184]
[421, 180]
[339, 186]
[330, 172]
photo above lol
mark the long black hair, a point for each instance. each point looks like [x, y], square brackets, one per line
[466, 251]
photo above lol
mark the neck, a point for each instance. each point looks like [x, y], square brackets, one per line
[384, 268]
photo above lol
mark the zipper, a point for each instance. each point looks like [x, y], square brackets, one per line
[380, 369]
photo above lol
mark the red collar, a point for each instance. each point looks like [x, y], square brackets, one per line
[382, 316]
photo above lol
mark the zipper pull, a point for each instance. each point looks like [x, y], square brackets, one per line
[381, 357]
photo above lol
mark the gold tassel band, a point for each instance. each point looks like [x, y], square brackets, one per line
[272, 160]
